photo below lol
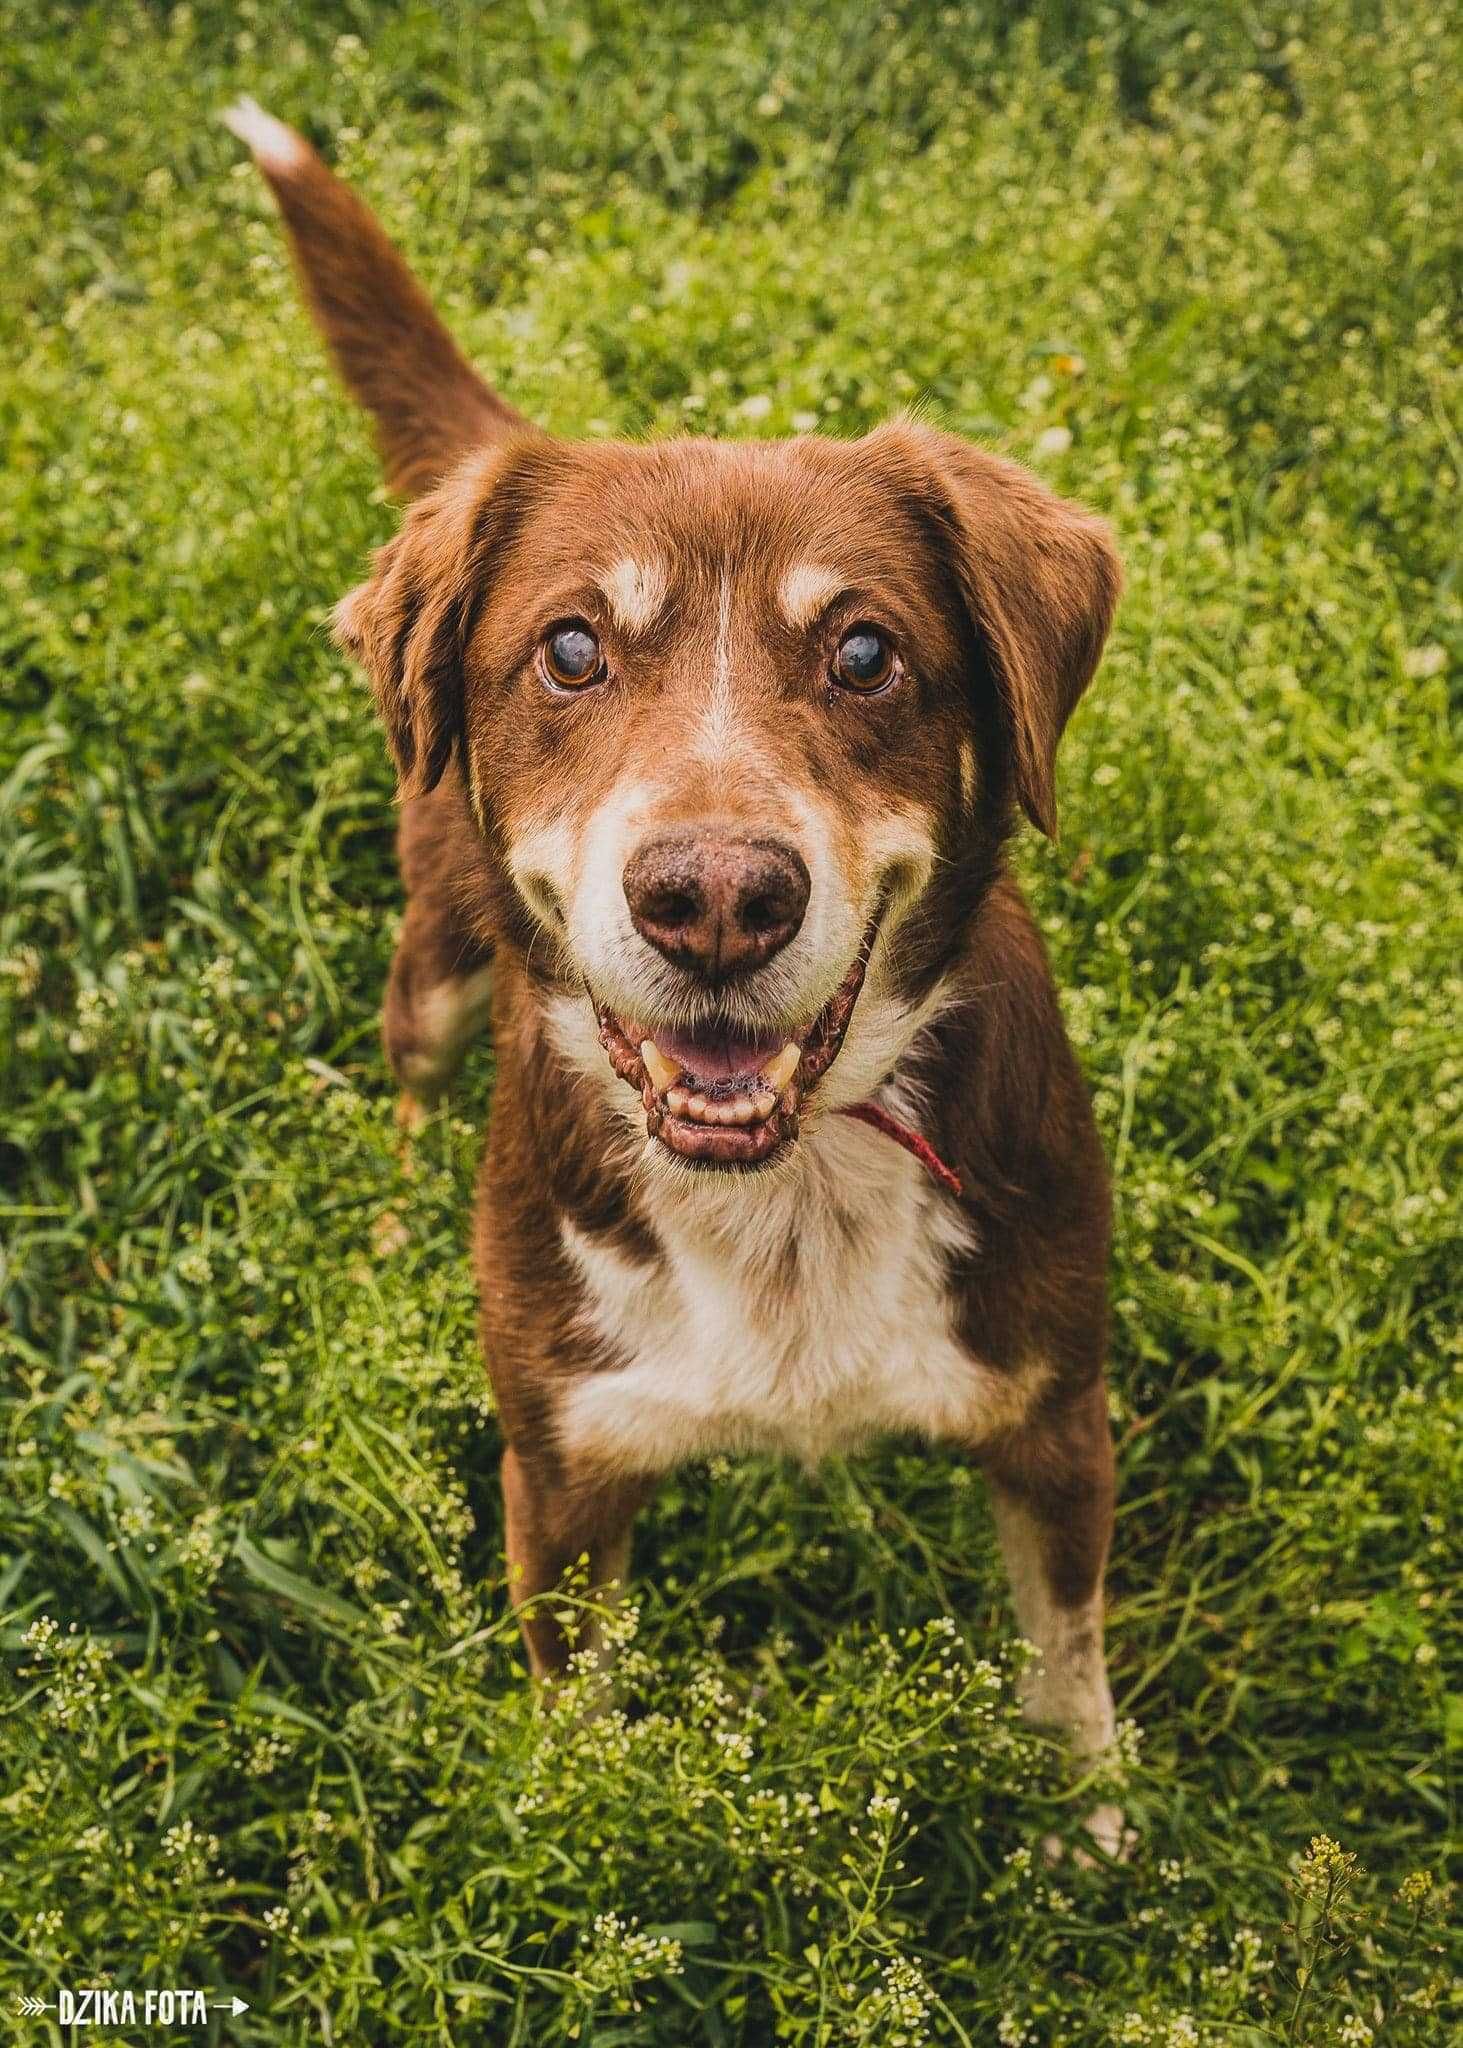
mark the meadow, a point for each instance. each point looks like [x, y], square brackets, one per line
[264, 1723]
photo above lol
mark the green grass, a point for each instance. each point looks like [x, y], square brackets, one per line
[263, 1723]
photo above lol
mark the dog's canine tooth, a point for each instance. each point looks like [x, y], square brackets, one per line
[779, 1071]
[663, 1072]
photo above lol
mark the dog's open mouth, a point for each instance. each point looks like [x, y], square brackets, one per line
[718, 1097]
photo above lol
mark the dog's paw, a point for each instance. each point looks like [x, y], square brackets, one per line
[1107, 1828]
[389, 1235]
[411, 1113]
[411, 1118]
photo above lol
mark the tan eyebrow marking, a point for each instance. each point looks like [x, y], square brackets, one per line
[805, 589]
[635, 591]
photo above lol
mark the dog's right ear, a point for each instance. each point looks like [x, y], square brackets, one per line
[409, 624]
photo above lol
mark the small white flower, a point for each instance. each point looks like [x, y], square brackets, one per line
[1420, 663]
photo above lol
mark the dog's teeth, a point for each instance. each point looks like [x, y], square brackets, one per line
[663, 1072]
[676, 1100]
[763, 1106]
[743, 1111]
[778, 1072]
[697, 1107]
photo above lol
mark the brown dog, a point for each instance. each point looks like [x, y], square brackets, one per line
[708, 758]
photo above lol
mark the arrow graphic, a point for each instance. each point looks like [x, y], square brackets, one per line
[34, 2007]
[233, 2005]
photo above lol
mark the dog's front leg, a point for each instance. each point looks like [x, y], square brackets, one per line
[1052, 1494]
[438, 993]
[553, 1520]
[437, 1001]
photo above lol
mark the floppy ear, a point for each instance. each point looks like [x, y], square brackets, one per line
[408, 624]
[1040, 578]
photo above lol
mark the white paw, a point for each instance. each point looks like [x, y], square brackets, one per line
[1108, 1830]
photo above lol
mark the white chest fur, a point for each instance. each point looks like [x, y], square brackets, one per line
[803, 1317]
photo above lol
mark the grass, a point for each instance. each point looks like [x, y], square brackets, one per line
[263, 1723]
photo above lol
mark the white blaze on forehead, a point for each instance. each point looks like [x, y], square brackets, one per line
[716, 734]
[805, 589]
[635, 592]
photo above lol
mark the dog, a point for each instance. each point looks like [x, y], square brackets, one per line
[709, 758]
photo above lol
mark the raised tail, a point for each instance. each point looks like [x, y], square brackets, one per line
[429, 405]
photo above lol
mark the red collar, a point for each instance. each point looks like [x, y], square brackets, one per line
[880, 1119]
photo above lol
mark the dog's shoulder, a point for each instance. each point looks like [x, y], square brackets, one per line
[1011, 1108]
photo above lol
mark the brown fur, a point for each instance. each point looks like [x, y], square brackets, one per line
[392, 352]
[1003, 596]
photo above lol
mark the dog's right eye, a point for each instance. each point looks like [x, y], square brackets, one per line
[865, 661]
[571, 656]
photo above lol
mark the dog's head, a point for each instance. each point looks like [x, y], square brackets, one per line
[744, 726]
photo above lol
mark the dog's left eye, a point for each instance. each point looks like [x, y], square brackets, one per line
[864, 661]
[571, 655]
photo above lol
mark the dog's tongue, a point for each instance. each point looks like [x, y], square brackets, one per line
[717, 1055]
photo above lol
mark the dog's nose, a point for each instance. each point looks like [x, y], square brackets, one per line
[717, 907]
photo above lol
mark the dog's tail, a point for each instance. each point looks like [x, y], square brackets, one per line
[429, 405]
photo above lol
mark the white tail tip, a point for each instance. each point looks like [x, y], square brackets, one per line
[275, 146]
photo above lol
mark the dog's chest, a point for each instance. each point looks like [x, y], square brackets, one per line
[804, 1317]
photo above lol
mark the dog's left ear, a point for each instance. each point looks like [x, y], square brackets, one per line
[1040, 578]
